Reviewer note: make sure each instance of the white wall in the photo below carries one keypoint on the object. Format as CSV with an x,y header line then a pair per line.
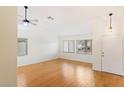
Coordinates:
x,y
122,32
41,46
8,47
101,31
42,41
98,26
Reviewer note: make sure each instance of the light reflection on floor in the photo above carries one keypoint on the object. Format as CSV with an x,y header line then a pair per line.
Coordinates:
x,y
65,73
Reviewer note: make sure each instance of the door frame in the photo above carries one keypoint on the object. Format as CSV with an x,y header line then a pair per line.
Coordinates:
x,y
122,53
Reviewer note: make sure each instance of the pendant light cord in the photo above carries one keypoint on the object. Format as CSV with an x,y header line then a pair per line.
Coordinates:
x,y
110,19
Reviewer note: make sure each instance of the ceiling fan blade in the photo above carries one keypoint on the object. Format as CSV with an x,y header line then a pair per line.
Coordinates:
x,y
35,20
25,20
32,23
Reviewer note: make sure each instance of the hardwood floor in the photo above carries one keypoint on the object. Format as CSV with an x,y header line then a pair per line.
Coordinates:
x,y
65,73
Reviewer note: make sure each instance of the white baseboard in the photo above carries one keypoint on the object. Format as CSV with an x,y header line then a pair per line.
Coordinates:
x,y
35,62
76,60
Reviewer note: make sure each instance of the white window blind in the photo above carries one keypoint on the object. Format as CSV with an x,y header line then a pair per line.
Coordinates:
x,y
69,46
65,45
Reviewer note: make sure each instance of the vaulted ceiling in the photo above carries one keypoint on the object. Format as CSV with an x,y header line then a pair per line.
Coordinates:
x,y
67,19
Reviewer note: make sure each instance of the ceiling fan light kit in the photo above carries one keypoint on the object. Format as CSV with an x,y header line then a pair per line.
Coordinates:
x,y
25,23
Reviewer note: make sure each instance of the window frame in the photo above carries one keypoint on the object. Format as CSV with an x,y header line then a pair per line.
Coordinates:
x,y
69,46
24,40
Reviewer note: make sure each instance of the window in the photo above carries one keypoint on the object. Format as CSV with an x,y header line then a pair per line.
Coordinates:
x,y
69,46
22,47
65,45
84,46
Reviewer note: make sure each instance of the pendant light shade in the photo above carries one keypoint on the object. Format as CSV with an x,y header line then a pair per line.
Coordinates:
x,y
110,27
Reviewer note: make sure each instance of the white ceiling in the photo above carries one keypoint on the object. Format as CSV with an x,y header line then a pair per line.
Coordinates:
x,y
67,19
68,12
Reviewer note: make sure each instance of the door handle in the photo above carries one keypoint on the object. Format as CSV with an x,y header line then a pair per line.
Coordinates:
x,y
102,54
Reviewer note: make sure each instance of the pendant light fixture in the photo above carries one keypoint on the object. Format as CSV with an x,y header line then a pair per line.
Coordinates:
x,y
110,27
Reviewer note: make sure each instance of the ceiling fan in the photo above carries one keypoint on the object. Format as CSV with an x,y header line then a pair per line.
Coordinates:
x,y
25,20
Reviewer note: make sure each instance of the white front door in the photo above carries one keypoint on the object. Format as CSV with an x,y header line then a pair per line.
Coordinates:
x,y
112,55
